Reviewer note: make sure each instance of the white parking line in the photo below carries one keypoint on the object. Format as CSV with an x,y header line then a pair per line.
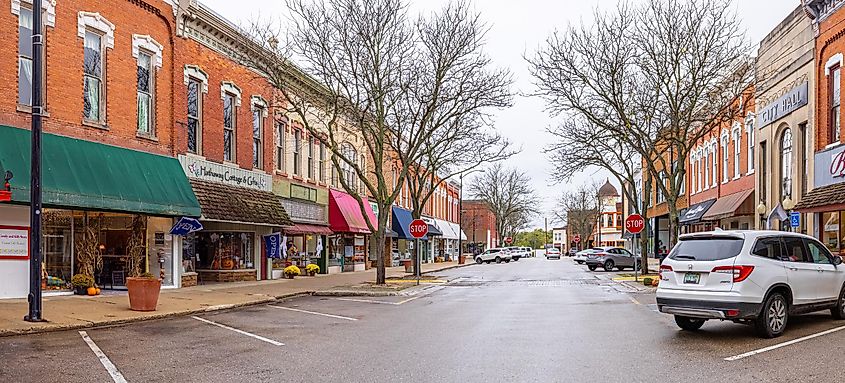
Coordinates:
x,y
366,301
314,313
779,345
242,332
104,360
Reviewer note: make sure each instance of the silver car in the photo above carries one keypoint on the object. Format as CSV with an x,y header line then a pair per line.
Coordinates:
x,y
581,256
610,257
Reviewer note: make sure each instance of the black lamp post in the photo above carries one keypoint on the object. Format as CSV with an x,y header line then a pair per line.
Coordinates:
x,y
34,297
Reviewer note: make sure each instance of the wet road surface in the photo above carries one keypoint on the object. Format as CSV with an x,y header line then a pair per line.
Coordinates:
x,y
535,320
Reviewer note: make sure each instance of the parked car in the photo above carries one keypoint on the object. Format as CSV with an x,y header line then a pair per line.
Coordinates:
x,y
754,277
498,255
518,252
552,253
572,252
529,251
610,257
581,256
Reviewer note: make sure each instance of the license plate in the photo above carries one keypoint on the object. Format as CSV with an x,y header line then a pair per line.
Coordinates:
x,y
692,278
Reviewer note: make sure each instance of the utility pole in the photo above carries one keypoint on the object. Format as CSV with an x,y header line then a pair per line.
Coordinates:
x,y
545,232
460,216
34,297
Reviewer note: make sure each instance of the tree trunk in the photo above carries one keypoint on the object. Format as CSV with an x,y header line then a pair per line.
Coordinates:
x,y
377,242
674,226
646,228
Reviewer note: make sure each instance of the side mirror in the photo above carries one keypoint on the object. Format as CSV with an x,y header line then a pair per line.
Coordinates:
x,y
837,260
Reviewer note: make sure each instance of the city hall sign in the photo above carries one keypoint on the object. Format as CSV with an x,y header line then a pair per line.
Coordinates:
x,y
201,169
786,104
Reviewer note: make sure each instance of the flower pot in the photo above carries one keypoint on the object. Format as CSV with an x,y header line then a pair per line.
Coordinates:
x,y
312,273
289,276
409,268
462,259
80,290
143,293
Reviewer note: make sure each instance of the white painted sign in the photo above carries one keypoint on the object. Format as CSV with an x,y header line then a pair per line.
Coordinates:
x,y
231,175
830,166
14,243
788,103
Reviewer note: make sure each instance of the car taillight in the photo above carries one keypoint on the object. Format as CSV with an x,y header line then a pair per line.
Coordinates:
x,y
740,273
662,269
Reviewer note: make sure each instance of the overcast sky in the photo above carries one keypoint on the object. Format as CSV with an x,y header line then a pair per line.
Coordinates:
x,y
518,27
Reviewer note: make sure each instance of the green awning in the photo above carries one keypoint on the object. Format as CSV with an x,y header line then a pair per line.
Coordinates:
x,y
93,176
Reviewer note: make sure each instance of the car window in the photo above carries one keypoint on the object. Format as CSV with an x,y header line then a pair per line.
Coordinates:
x,y
625,253
818,253
795,251
706,248
768,248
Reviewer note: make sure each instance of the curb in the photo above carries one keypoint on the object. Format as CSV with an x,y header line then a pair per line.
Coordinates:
x,y
352,293
118,322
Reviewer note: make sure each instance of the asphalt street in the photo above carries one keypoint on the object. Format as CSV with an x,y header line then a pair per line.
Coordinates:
x,y
535,320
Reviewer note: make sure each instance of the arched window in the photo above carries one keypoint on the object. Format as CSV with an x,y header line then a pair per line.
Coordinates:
x,y
786,164
347,171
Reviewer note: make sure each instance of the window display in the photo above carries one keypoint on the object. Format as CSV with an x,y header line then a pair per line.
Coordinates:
x,y
223,250
833,230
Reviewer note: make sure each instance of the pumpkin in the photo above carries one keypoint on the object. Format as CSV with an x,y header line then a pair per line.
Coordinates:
x,y
92,290
98,291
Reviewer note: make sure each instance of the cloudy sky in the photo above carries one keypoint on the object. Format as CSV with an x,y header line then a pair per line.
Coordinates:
x,y
517,28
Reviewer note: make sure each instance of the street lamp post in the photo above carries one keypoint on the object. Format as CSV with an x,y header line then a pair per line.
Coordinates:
x,y
789,204
761,211
34,297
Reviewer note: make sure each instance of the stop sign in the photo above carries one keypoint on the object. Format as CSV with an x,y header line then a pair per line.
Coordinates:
x,y
418,228
635,223
577,238
509,240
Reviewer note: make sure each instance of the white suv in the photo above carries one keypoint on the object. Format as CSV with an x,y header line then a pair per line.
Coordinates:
x,y
753,277
497,254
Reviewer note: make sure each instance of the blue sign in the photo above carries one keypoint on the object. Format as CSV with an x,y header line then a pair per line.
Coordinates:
x,y
273,245
186,226
795,219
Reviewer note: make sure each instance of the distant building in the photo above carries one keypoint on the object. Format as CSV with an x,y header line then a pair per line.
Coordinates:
x,y
609,227
479,224
559,238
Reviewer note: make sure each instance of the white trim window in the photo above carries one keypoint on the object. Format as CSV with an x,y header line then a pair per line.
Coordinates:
x,y
725,158
705,163
98,35
714,170
321,170
148,53
259,113
737,142
297,152
280,145
310,158
749,133
230,123
25,73
194,116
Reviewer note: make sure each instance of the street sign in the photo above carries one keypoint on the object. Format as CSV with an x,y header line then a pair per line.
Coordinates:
x,y
576,238
418,228
795,219
635,223
508,240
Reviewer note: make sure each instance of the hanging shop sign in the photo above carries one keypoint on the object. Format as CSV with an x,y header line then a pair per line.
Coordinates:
x,y
830,166
788,103
231,175
185,226
14,242
273,245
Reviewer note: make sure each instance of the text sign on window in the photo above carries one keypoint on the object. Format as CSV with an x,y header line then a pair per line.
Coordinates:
x,y
302,192
14,242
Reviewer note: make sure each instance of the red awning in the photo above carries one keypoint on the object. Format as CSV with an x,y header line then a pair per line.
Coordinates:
x,y
302,229
345,214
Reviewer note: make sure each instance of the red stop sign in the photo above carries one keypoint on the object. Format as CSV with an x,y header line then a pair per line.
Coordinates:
x,y
508,240
635,223
418,228
577,238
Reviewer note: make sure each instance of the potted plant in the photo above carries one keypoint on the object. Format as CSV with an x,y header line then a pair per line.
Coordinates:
x,y
312,269
81,283
291,271
144,288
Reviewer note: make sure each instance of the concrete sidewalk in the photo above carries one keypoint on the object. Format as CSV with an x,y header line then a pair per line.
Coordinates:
x,y
72,312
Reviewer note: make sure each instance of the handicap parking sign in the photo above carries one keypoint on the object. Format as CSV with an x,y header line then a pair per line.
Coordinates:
x,y
795,219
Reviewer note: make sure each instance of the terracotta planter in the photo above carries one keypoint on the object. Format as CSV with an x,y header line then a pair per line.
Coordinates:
x,y
462,259
80,290
409,268
143,293
312,273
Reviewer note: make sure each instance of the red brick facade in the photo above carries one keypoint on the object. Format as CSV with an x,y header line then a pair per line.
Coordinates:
x,y
830,47
478,220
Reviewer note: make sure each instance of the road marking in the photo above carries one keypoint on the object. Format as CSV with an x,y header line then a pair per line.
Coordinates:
x,y
636,302
104,360
366,301
314,313
784,344
242,332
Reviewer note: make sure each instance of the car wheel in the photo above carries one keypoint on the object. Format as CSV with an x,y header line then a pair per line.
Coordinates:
x,y
838,311
620,268
487,262
498,259
592,267
608,266
507,260
479,261
516,259
772,319
689,324
580,262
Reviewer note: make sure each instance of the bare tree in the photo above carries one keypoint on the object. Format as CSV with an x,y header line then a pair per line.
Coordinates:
x,y
510,197
654,77
580,210
372,75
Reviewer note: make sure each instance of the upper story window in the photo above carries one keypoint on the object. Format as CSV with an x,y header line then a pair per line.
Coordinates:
x,y
786,164
196,82
97,34
145,94
297,150
310,159
347,171
749,129
148,53
322,164
280,145
229,124
231,96
259,112
25,20
705,163
714,150
835,96
737,140
725,158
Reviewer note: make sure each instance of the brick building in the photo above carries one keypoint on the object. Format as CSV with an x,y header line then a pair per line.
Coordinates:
x,y
479,223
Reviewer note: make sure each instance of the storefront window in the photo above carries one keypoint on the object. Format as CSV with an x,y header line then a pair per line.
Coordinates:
x,y
223,250
831,228
57,248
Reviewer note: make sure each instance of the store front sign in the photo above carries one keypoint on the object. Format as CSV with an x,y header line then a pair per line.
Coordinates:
x,y
830,166
788,103
14,242
273,245
305,212
230,175
303,193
